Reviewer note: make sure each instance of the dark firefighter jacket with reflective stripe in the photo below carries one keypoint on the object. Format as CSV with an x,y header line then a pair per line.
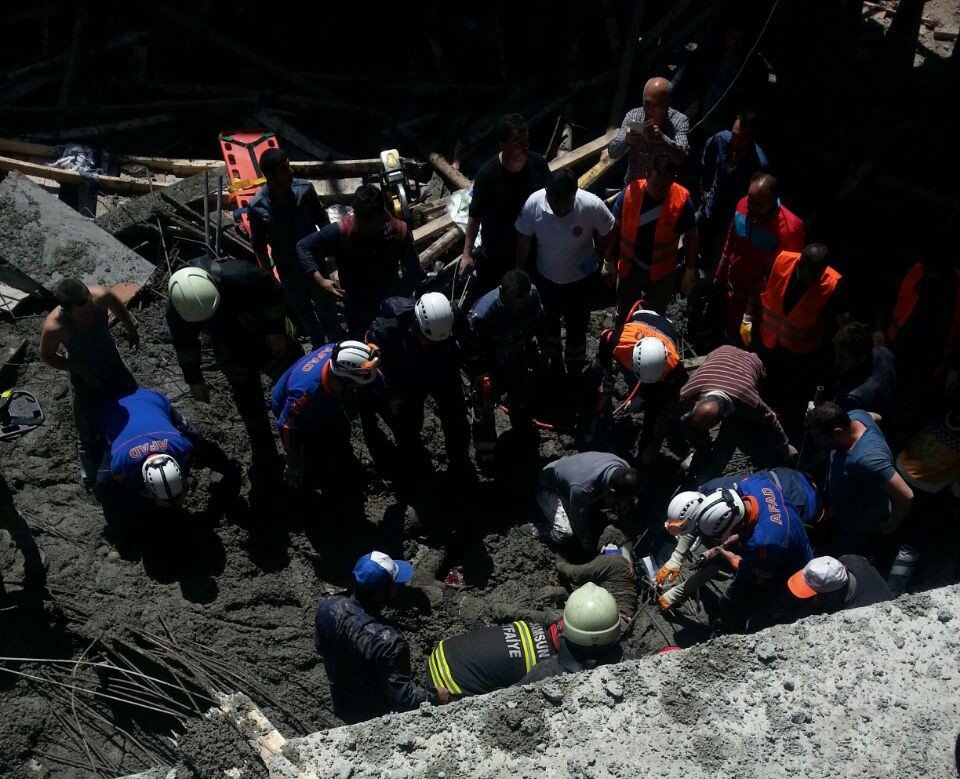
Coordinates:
x,y
490,658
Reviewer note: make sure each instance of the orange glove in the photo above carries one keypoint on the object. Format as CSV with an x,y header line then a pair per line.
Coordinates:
x,y
668,573
746,331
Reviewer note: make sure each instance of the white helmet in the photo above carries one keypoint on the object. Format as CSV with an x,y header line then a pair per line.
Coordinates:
x,y
162,477
680,510
356,361
718,514
435,316
649,359
194,294
590,617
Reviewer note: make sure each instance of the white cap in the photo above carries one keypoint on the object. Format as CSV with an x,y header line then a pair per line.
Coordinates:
x,y
820,575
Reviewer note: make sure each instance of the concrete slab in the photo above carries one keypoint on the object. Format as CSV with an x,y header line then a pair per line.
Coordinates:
x,y
48,241
873,692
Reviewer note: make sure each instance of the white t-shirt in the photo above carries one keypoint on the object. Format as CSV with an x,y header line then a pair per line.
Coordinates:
x,y
565,250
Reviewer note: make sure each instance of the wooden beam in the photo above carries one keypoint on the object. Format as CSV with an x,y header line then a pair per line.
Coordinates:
x,y
328,169
293,136
583,153
107,183
432,229
454,178
96,131
435,251
25,148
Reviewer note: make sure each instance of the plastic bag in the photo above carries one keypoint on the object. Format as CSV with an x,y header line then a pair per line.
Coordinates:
x,y
458,209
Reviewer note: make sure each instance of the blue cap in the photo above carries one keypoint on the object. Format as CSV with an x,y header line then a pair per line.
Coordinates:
x,y
377,571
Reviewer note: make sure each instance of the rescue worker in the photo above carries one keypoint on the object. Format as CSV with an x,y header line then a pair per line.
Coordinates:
x,y
826,585
923,329
308,404
503,325
420,355
725,391
644,351
652,214
284,211
866,498
760,537
151,449
761,229
569,489
367,661
241,308
374,259
97,372
591,635
801,306
500,656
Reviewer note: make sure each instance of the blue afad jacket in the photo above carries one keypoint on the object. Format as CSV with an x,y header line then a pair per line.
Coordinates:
x,y
301,399
367,662
776,545
137,426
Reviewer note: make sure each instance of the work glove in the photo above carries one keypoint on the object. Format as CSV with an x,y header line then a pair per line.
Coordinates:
x,y
669,572
746,330
664,602
293,471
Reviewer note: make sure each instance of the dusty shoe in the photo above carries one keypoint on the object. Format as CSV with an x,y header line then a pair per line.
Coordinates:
x,y
533,530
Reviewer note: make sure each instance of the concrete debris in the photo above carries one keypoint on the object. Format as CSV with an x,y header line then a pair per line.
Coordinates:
x,y
863,706
52,241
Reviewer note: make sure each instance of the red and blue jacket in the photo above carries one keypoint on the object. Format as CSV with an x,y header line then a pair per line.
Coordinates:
x,y
776,545
302,399
137,426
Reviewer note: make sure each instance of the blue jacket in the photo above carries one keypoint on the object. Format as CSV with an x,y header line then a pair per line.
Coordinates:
x,y
367,662
301,399
409,361
502,336
776,545
137,426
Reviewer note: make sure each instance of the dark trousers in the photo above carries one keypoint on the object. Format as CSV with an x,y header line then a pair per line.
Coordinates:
x,y
250,399
711,457
569,305
406,419
315,311
14,523
638,286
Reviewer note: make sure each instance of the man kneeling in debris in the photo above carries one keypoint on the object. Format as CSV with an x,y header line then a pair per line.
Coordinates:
x,y
522,652
755,526
829,584
151,449
571,487
368,661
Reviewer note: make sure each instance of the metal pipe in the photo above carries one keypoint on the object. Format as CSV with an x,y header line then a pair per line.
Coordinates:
x,y
206,211
219,210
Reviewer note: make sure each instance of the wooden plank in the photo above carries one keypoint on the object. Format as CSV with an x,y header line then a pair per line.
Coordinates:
x,y
13,146
583,153
435,251
432,229
108,183
454,178
328,169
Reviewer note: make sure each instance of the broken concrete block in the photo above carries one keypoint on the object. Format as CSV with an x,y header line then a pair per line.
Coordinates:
x,y
49,241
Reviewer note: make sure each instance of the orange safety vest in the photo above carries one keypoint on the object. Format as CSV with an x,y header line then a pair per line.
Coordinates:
x,y
906,301
630,336
663,258
800,331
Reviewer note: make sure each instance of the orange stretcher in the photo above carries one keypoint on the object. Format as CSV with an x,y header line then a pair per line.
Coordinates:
x,y
241,154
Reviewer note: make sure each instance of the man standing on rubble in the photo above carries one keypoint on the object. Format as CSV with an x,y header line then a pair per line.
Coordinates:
x,y
366,659
284,211
501,187
98,373
374,259
240,307
652,130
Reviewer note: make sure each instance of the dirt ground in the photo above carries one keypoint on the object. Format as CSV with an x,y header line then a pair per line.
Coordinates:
x,y
238,596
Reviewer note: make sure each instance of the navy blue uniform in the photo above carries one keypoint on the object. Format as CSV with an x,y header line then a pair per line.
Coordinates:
x,y
367,662
414,367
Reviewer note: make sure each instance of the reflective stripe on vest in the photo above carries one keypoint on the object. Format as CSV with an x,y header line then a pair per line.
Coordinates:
x,y
800,331
907,300
663,257
440,671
